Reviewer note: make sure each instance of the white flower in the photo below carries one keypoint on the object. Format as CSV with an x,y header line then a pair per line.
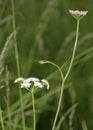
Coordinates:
x,y
25,85
38,84
29,82
18,80
78,14
45,83
32,82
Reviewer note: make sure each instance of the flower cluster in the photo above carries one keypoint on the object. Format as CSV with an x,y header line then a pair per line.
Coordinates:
x,y
78,14
32,82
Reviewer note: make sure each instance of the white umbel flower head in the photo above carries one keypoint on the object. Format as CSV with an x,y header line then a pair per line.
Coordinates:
x,y
19,80
78,14
32,82
45,83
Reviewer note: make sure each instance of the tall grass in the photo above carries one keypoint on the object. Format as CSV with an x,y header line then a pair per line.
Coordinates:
x,y
48,23
17,62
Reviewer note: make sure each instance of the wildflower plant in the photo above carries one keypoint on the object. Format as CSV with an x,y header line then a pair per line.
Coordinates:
x,y
33,83
30,84
78,15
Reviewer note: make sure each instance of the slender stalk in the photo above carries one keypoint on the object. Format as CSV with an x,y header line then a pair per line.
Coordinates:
x,y
64,79
84,125
33,103
1,118
15,39
61,93
59,105
74,51
8,98
49,62
17,62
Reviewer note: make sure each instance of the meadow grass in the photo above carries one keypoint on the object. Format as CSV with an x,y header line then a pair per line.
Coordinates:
x,y
46,31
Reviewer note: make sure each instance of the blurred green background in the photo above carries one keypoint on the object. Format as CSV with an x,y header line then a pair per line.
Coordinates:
x,y
46,30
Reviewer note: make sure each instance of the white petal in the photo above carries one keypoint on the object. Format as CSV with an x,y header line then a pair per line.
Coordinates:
x,y
46,83
31,79
20,79
38,84
25,85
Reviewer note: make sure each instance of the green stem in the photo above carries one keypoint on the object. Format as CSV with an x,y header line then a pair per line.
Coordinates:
x,y
15,39
61,93
64,79
59,105
84,125
49,62
1,118
33,103
8,98
74,51
17,62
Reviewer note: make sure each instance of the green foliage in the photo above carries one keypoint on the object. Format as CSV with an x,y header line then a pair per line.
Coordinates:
x,y
45,30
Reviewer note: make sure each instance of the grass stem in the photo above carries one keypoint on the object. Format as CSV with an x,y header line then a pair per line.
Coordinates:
x,y
17,62
1,118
